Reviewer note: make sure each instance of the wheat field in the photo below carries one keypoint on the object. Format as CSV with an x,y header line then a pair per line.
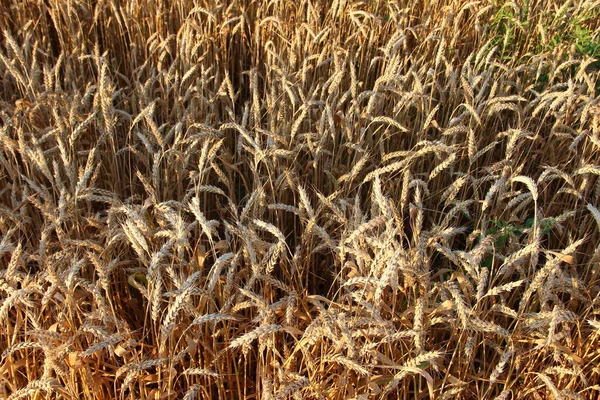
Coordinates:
x,y
299,200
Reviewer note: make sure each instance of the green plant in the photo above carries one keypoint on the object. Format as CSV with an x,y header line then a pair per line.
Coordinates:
x,y
506,25
504,231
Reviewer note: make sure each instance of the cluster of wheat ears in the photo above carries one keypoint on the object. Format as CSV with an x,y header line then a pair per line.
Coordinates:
x,y
299,200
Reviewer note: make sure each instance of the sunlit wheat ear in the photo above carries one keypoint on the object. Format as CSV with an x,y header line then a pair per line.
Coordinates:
x,y
595,213
367,226
169,321
482,283
495,188
396,166
442,166
20,346
206,225
200,371
34,388
215,271
14,262
418,325
108,342
192,392
136,368
499,368
244,341
284,207
412,367
503,288
550,385
355,170
305,202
